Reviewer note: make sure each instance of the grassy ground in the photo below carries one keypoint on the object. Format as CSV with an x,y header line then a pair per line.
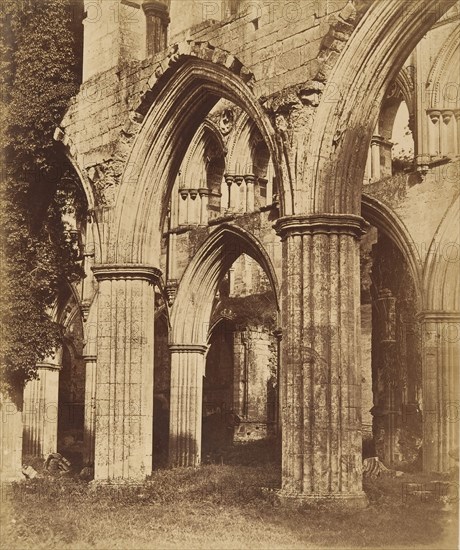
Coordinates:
x,y
219,506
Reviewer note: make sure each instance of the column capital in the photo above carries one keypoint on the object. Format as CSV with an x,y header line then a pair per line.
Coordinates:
x,y
104,272
340,224
434,115
439,315
188,348
89,358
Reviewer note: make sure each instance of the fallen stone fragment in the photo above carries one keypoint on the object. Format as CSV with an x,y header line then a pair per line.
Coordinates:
x,y
56,464
373,467
29,472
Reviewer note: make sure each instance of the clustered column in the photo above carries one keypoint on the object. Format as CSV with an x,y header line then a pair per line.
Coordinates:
x,y
187,371
193,206
40,409
124,377
241,193
441,357
321,374
443,132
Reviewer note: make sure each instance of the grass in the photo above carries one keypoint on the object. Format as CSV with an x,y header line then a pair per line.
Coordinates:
x,y
219,506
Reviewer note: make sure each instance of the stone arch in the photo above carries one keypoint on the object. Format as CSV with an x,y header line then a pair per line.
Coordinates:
x,y
239,145
183,90
204,137
190,318
441,350
343,125
441,279
76,161
444,67
191,311
394,358
180,99
384,219
394,96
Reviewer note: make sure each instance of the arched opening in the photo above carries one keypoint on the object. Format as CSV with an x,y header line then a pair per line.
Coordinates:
x,y
180,105
236,294
391,358
263,170
392,344
241,378
392,147
214,176
403,152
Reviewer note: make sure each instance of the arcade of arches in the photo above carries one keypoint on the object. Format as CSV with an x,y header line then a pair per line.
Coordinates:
x,y
271,248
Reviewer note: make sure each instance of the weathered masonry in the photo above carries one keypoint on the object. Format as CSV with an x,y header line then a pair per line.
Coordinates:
x,y
261,258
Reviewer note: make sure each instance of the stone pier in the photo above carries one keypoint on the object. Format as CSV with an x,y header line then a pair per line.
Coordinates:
x,y
10,439
187,371
124,377
320,368
440,359
40,409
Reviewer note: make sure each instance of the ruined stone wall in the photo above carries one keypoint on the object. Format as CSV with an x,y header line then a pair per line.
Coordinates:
x,y
421,203
98,127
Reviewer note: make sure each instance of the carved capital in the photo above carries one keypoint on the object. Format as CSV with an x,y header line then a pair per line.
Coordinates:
x,y
341,224
171,290
188,348
434,116
104,272
446,116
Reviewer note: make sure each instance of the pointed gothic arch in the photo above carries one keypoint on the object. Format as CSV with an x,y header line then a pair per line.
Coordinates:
x,y
175,107
343,126
191,312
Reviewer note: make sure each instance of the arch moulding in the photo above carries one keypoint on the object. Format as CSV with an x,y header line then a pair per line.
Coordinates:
x,y
182,90
336,155
191,312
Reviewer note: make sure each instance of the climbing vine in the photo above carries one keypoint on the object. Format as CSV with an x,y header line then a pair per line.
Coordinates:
x,y
40,68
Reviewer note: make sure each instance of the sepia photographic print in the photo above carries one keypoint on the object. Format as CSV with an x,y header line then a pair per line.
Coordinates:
x,y
230,274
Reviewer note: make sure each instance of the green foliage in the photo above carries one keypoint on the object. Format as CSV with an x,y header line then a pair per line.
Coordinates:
x,y
40,73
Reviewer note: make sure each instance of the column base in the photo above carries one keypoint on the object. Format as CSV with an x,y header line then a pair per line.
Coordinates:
x,y
341,501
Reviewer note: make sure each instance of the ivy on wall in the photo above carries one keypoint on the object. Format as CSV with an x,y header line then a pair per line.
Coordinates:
x,y
40,72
